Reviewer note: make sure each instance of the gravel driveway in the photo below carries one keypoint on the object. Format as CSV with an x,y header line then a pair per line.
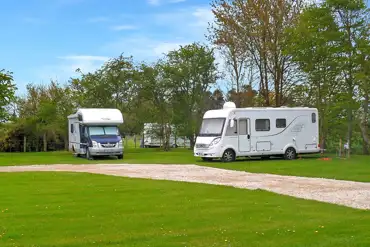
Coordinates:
x,y
347,193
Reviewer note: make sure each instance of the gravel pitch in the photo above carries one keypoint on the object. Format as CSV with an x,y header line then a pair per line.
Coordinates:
x,y
346,193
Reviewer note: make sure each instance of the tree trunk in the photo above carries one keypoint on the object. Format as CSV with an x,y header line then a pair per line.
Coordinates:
x,y
166,135
66,144
365,140
37,144
45,142
350,128
364,125
192,141
24,143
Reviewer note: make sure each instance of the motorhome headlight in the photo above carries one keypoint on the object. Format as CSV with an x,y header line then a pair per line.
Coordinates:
x,y
120,143
95,144
215,141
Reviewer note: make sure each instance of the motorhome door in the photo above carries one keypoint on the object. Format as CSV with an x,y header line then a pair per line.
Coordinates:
x,y
76,137
244,135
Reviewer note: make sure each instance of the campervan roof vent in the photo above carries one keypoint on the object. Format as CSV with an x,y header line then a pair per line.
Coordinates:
x,y
229,105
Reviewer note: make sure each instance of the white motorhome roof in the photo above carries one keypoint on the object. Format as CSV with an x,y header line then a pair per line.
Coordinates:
x,y
223,113
105,116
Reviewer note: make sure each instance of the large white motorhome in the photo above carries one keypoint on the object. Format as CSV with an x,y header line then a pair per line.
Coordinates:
x,y
94,132
151,137
233,132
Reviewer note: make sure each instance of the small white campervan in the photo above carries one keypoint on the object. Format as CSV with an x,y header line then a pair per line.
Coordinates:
x,y
94,132
233,132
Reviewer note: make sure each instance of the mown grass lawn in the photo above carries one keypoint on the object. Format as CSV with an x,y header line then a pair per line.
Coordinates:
x,y
357,168
71,209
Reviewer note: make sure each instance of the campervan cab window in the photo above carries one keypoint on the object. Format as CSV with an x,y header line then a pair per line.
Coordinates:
x,y
103,130
212,127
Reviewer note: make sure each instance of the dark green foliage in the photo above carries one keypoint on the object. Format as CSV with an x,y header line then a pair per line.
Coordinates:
x,y
7,91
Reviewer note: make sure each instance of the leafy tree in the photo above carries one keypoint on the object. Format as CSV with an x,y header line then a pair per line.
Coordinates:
x,y
363,77
350,17
257,28
190,71
326,44
111,86
314,46
7,93
156,90
43,113
216,99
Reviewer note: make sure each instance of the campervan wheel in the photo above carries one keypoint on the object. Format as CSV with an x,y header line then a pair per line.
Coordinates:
x,y
228,156
290,154
88,155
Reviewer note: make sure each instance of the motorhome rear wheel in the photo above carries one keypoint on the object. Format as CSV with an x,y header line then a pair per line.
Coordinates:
x,y
290,154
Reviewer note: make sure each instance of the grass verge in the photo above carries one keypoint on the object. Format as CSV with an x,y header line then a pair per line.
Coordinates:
x,y
357,168
67,209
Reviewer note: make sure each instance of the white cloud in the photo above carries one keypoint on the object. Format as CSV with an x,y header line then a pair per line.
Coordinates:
x,y
191,21
160,34
66,67
203,16
154,2
84,62
168,30
33,20
159,2
84,58
163,48
98,19
123,27
143,48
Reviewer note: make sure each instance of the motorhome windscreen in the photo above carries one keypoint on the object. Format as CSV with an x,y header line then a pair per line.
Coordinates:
x,y
103,130
212,127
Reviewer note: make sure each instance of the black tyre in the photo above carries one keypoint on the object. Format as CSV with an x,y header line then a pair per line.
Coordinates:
x,y
88,155
120,157
206,159
228,156
290,154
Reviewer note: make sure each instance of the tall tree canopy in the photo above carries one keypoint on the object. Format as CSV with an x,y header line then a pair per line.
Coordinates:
x,y
7,93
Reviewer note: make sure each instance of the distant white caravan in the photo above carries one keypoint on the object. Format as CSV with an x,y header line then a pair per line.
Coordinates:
x,y
233,132
151,137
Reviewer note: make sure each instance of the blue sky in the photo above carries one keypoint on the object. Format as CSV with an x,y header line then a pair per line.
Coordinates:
x,y
50,39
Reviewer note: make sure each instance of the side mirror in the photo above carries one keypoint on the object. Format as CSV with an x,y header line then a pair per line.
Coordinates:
x,y
232,121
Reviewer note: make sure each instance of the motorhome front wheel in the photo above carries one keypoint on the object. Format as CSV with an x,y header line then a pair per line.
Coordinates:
x,y
228,156
88,155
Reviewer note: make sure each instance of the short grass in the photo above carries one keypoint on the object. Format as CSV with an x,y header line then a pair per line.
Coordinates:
x,y
357,168
79,210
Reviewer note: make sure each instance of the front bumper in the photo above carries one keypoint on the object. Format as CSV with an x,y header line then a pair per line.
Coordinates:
x,y
207,153
106,151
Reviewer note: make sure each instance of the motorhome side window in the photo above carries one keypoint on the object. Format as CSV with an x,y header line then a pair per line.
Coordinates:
x,y
243,127
280,123
313,116
231,131
262,124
